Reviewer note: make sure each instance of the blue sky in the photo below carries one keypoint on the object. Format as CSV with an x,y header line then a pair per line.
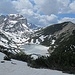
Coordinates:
x,y
66,15
41,12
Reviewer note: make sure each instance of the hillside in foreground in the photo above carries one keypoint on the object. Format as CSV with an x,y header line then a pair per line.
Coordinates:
x,y
15,67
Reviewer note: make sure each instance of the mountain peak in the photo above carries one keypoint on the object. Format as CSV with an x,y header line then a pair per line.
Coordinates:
x,y
15,15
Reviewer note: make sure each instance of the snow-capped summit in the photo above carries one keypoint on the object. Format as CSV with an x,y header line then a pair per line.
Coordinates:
x,y
16,25
13,23
33,26
18,17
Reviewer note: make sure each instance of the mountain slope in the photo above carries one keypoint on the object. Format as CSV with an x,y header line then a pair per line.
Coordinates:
x,y
7,44
48,35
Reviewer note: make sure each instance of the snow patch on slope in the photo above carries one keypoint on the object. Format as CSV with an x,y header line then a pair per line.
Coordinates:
x,y
13,21
53,41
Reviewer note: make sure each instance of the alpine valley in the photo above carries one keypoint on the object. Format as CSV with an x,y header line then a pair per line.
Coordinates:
x,y
51,47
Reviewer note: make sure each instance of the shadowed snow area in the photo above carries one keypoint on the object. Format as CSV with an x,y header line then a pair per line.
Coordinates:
x,y
15,67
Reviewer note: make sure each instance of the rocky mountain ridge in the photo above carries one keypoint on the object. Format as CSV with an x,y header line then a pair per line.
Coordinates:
x,y
16,26
53,32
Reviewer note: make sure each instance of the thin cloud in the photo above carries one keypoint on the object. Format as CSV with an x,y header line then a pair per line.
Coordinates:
x,y
67,19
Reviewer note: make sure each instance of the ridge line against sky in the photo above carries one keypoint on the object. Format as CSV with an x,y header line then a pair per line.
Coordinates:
x,y
41,12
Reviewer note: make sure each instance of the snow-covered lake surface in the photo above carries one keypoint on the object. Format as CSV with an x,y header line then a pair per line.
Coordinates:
x,y
35,49
15,67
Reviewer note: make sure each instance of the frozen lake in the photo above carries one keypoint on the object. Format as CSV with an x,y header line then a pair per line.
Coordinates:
x,y
35,49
